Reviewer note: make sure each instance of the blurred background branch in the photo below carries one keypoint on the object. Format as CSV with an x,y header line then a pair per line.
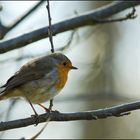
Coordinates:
x,y
5,29
28,56
70,24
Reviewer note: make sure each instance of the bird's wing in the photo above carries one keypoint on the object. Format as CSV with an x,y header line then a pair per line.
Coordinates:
x,y
27,73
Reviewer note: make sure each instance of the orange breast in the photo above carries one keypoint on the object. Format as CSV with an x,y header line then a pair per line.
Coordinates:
x,y
62,77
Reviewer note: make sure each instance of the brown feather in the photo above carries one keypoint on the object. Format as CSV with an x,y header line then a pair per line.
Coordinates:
x,y
33,70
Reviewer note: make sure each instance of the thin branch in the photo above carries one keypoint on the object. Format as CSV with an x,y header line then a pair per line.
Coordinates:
x,y
51,41
131,15
10,27
116,111
50,27
70,24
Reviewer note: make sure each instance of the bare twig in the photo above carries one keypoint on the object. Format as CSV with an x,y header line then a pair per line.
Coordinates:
x,y
51,41
50,27
70,24
131,15
116,111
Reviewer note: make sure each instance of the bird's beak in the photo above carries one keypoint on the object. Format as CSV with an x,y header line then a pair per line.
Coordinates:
x,y
74,68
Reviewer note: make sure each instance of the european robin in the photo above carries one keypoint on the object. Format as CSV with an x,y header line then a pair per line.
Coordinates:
x,y
39,80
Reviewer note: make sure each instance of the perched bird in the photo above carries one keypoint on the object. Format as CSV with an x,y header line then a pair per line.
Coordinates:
x,y
39,80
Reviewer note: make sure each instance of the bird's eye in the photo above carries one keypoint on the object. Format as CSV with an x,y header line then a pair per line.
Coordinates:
x,y
64,63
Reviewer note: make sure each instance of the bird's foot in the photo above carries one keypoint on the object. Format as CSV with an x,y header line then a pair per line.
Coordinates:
x,y
36,118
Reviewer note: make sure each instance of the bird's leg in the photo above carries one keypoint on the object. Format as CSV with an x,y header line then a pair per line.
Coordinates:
x,y
46,109
51,105
35,115
33,108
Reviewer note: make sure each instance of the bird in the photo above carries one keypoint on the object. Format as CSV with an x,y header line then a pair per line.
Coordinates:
x,y
39,80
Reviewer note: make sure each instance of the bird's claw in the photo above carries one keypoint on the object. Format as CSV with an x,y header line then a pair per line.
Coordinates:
x,y
36,118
